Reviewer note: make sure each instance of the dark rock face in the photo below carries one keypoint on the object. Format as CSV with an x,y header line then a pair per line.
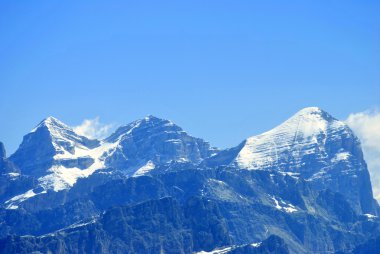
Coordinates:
x,y
11,182
370,247
36,152
82,162
272,245
2,151
207,224
337,205
6,166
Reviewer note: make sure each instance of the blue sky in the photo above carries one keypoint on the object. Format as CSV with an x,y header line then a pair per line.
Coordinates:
x,y
223,70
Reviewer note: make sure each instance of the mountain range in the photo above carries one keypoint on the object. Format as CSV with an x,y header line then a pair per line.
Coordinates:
x,y
150,187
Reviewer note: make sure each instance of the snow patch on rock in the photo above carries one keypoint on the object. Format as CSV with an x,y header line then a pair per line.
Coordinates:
x,y
283,206
13,202
144,169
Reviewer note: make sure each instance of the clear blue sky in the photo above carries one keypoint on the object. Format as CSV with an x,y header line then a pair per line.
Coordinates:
x,y
223,70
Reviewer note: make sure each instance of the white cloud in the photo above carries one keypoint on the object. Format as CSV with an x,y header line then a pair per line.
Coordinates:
x,y
366,126
93,128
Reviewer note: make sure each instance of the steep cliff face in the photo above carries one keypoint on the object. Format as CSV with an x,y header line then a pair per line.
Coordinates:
x,y
11,181
2,151
6,166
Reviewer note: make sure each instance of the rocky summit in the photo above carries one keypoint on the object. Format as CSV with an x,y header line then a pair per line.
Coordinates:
x,y
150,187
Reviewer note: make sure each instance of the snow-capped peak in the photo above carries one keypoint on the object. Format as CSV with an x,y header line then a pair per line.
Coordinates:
x,y
153,118
156,120
303,133
319,148
53,149
312,114
51,123
310,110
149,125
58,156
63,138
157,140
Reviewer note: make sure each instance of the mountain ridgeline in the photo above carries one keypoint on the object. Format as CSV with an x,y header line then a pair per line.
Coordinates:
x,y
150,187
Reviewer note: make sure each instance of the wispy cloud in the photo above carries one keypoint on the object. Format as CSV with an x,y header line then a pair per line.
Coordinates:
x,y
93,128
366,126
